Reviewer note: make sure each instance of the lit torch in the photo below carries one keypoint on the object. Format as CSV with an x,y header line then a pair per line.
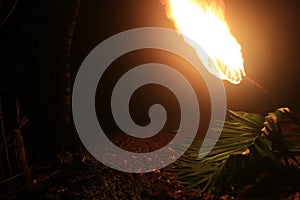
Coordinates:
x,y
204,22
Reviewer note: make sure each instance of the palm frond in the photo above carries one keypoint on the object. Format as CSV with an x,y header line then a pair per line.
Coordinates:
x,y
245,140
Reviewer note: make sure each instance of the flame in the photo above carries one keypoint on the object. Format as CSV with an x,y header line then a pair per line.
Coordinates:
x,y
204,22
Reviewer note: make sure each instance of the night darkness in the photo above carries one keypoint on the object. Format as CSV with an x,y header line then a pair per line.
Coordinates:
x,y
267,31
42,45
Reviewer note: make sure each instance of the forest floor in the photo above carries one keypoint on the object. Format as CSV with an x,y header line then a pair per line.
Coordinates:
x,y
92,180
83,177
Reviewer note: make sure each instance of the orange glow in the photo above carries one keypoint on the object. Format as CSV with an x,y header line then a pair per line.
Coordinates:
x,y
203,21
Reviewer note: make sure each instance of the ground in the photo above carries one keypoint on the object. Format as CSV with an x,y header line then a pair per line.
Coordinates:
x,y
80,176
87,178
92,180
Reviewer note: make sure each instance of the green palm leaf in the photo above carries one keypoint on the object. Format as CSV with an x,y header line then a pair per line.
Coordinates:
x,y
240,145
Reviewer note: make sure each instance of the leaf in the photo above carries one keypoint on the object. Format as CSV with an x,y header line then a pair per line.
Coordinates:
x,y
278,114
264,146
220,168
251,120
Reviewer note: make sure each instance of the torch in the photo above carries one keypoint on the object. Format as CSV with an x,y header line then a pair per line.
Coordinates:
x,y
204,22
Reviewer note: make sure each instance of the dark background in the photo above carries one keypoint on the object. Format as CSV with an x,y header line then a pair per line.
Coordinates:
x,y
268,32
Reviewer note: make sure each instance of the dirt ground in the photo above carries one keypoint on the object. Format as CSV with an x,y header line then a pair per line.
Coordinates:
x,y
83,177
92,180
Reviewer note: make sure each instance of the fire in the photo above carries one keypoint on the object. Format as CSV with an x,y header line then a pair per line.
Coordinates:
x,y
204,22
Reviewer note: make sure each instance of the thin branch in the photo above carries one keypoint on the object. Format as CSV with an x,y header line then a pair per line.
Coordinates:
x,y
10,77
4,140
69,40
22,156
8,137
18,112
2,167
10,13
14,78
50,175
67,65
20,145
11,178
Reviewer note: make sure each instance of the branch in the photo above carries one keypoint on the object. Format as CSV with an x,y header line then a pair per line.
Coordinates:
x,y
5,140
67,64
9,13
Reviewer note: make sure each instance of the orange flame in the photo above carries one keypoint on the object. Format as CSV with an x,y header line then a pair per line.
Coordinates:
x,y
204,22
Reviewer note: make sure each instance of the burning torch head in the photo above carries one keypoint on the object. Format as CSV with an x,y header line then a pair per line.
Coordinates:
x,y
204,22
